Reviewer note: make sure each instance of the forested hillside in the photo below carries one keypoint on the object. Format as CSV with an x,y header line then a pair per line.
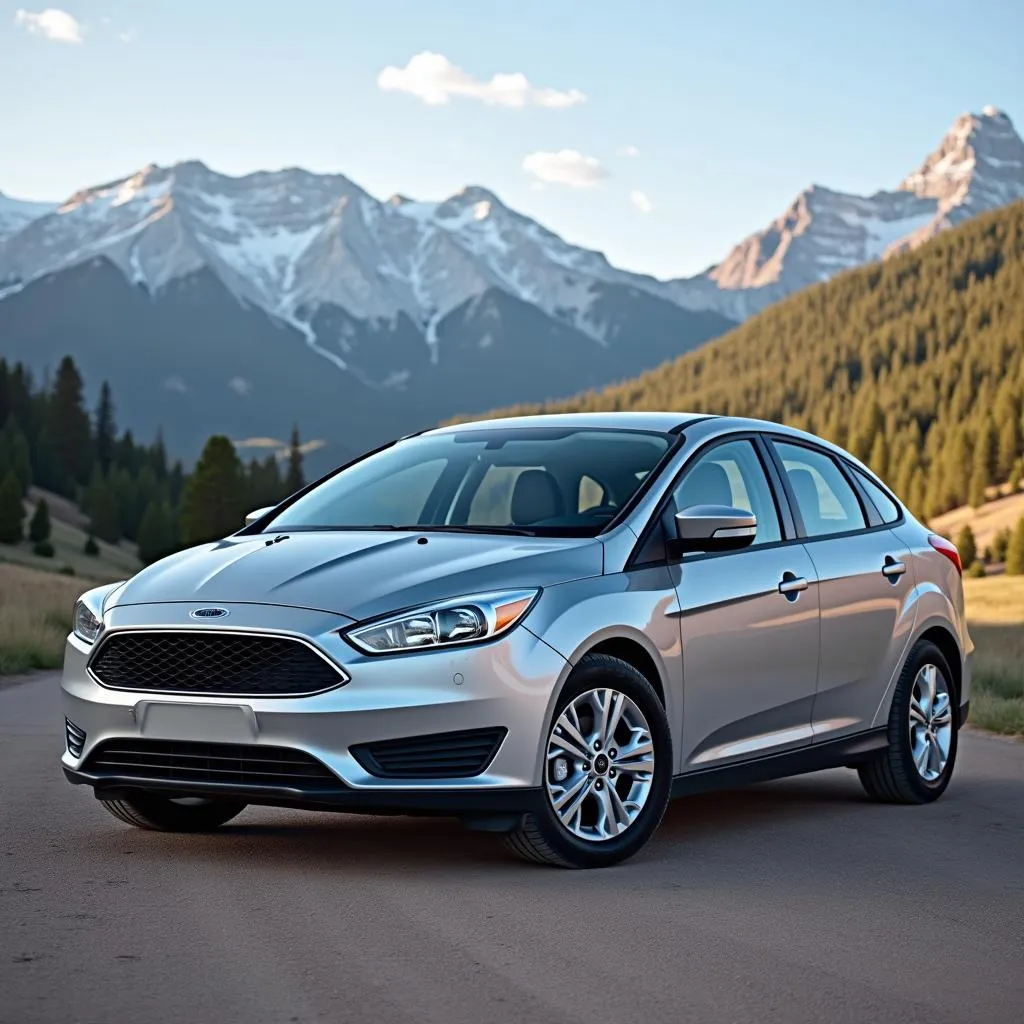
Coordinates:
x,y
916,365
127,490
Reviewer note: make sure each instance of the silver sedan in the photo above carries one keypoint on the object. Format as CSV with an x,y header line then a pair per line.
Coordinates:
x,y
544,626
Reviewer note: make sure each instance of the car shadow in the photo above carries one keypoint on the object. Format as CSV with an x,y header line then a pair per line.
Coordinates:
x,y
285,839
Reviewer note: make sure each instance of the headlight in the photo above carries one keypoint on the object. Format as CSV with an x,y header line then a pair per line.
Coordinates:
x,y
88,617
461,621
87,625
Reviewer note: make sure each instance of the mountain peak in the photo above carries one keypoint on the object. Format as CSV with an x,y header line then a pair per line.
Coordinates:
x,y
979,151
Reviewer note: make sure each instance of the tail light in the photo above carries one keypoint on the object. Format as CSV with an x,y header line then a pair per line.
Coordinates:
x,y
947,548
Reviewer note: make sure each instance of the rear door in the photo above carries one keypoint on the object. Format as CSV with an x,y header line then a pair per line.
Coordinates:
x,y
863,586
748,620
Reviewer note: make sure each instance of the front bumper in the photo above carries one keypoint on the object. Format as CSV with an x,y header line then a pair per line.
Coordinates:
x,y
509,683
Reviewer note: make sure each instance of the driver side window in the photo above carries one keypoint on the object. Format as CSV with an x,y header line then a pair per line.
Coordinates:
x,y
732,474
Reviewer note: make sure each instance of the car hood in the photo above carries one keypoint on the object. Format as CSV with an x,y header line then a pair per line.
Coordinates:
x,y
359,574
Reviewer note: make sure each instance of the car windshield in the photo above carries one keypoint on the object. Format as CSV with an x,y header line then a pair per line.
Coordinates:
x,y
537,481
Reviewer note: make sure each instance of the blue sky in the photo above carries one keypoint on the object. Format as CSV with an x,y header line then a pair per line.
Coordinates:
x,y
732,108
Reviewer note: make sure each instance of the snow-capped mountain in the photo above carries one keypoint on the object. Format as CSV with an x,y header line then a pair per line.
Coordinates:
x,y
978,166
192,290
17,213
291,242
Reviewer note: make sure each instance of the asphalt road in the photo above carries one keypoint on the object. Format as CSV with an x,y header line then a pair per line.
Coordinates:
x,y
792,901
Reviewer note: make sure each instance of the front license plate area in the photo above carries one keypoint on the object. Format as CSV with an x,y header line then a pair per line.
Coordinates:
x,y
211,723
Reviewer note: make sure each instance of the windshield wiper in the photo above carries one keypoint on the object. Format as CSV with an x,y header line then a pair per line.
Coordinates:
x,y
449,528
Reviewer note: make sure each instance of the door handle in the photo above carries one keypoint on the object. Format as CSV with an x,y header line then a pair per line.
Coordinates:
x,y
792,584
892,568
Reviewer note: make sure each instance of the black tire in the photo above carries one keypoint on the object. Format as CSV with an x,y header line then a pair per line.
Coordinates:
x,y
161,814
891,776
540,837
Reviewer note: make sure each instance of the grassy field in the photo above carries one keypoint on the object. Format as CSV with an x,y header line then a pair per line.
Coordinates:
x,y
995,612
35,615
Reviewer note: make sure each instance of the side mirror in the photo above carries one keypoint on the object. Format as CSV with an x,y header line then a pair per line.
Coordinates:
x,y
257,514
714,528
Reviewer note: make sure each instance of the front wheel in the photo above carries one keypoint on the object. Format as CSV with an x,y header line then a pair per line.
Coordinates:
x,y
918,763
607,770
173,814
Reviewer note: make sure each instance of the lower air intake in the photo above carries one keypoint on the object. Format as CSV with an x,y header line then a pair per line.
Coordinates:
x,y
140,761
75,738
443,755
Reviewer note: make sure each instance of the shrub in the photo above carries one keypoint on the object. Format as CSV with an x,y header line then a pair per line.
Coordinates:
x,y
43,548
976,569
92,549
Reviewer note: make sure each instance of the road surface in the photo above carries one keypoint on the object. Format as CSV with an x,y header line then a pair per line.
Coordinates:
x,y
793,901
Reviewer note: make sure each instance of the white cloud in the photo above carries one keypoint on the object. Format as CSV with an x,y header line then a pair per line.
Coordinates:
x,y
240,385
434,79
52,23
630,151
566,167
127,37
641,201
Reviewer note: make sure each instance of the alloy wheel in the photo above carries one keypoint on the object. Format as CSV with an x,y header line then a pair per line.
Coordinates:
x,y
599,768
931,723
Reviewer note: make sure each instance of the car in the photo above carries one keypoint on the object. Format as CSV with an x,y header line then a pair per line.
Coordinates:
x,y
545,626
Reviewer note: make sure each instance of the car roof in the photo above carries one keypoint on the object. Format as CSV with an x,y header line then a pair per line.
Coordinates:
x,y
663,422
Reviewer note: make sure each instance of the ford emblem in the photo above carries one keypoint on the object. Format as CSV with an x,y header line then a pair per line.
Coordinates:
x,y
208,613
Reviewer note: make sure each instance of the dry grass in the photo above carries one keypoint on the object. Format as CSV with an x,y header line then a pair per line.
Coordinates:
x,y
985,522
995,613
35,617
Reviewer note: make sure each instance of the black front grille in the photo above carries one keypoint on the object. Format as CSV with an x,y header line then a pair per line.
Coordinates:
x,y
75,738
232,664
443,755
186,763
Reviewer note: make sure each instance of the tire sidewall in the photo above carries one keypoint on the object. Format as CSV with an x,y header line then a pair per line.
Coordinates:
x,y
595,673
924,653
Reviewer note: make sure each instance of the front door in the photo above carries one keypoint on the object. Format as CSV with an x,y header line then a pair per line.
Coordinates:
x,y
748,622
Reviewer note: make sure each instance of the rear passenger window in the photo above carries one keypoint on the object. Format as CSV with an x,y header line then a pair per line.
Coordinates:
x,y
826,501
887,508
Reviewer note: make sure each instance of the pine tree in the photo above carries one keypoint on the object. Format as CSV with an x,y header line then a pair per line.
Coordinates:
x,y
213,504
879,458
1009,445
67,430
976,496
1000,542
106,432
1015,550
158,535
101,505
967,546
294,479
39,524
12,511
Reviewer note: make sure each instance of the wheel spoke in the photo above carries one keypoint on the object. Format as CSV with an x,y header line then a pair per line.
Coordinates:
x,y
578,750
941,710
580,792
917,715
611,725
921,757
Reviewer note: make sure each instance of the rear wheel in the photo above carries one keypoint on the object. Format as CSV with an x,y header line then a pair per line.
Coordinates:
x,y
918,763
607,770
173,814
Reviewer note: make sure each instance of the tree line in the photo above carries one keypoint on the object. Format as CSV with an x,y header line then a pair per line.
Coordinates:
x,y
129,490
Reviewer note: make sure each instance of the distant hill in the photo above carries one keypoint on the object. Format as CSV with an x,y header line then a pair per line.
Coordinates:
x,y
916,364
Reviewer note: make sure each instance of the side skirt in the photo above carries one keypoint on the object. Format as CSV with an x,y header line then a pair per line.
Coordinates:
x,y
846,751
